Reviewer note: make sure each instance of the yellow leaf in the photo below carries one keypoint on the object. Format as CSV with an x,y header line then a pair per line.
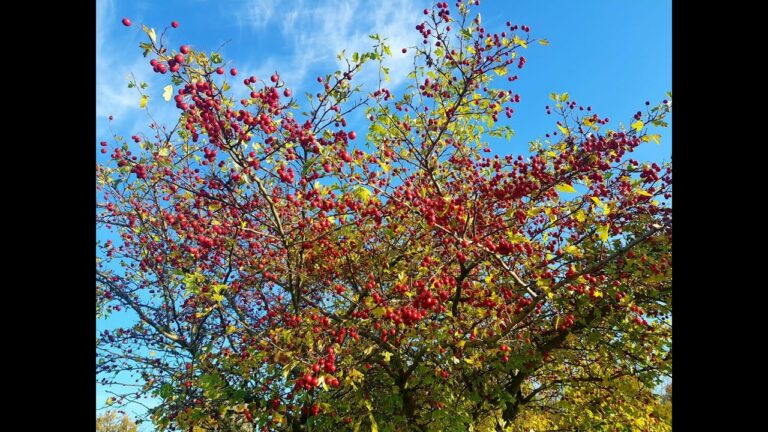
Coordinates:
x,y
387,355
363,193
597,201
515,238
374,426
543,42
277,417
517,41
167,90
638,125
654,137
144,100
598,293
470,50
565,188
500,71
287,369
571,249
580,216
643,192
565,131
603,232
606,209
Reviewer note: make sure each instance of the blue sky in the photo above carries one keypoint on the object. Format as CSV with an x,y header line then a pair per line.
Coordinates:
x,y
612,55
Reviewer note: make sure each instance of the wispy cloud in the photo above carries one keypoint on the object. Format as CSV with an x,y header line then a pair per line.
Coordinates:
x,y
318,31
257,14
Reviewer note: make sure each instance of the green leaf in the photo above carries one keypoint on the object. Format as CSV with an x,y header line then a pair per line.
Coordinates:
x,y
386,49
167,91
165,391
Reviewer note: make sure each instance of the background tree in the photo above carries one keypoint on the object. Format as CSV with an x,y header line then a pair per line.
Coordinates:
x,y
287,275
110,421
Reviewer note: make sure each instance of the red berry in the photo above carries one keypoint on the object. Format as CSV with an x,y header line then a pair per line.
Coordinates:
x,y
184,49
405,50
352,135
126,22
220,70
179,58
175,24
287,92
233,71
274,78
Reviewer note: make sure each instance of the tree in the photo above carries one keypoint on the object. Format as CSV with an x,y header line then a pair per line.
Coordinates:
x,y
290,273
110,422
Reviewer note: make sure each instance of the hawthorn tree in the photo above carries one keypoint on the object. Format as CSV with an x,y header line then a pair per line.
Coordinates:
x,y
287,272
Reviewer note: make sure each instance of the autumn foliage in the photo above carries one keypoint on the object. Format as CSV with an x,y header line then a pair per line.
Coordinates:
x,y
288,272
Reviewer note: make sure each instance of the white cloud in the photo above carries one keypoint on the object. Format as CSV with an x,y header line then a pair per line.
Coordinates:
x,y
318,31
258,13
